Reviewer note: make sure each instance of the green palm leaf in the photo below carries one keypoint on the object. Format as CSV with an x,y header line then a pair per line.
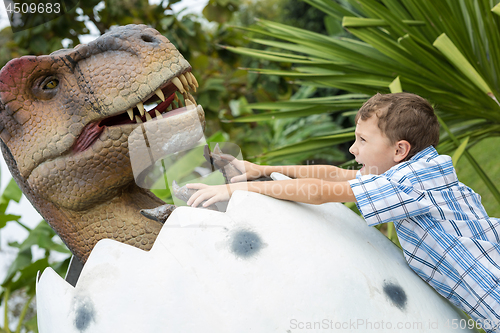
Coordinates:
x,y
309,145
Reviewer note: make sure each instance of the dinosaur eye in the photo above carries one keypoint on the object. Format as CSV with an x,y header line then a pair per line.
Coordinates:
x,y
51,84
46,87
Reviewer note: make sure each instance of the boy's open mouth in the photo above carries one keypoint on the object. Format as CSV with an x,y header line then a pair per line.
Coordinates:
x,y
362,167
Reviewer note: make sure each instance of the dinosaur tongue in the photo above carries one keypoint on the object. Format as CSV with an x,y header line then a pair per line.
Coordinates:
x,y
164,105
89,134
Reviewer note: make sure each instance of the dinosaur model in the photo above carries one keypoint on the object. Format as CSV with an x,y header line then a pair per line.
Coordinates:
x,y
65,123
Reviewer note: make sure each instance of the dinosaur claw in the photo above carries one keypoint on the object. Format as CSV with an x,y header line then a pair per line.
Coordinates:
x,y
182,193
218,163
160,213
217,149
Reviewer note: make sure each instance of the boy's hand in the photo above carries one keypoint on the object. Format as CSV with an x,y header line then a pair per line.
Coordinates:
x,y
211,194
249,171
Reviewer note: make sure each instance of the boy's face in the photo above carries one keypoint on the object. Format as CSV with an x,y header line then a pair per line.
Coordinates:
x,y
372,148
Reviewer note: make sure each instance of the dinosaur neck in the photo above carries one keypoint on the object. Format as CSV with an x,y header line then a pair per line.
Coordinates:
x,y
118,218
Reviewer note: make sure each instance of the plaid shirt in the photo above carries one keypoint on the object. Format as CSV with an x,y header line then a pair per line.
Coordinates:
x,y
446,235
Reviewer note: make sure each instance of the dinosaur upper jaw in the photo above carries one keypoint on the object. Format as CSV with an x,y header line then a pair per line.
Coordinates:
x,y
166,101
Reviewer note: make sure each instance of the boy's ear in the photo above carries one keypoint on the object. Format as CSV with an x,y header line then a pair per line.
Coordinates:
x,y
402,150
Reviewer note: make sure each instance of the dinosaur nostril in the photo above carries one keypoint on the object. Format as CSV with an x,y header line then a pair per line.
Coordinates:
x,y
147,38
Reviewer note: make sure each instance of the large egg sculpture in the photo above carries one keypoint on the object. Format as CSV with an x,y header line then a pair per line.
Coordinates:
x,y
265,265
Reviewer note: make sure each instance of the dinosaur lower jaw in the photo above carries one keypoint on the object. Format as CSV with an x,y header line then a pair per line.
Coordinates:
x,y
137,114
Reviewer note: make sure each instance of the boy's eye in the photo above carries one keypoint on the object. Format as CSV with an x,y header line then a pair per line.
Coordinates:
x,y
361,139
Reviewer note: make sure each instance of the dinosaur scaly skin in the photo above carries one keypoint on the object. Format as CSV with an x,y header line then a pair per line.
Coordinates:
x,y
64,128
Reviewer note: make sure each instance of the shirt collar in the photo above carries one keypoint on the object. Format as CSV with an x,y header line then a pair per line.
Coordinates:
x,y
427,152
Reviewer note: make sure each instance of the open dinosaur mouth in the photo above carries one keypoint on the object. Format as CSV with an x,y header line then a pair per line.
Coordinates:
x,y
170,106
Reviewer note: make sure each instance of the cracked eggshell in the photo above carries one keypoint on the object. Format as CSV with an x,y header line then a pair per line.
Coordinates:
x,y
265,265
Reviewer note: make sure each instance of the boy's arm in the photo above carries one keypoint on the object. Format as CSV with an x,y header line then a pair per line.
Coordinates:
x,y
324,172
312,191
253,171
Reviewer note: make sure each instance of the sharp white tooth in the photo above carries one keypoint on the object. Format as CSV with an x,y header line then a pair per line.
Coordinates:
x,y
185,98
184,81
148,117
177,102
178,84
188,78
159,93
191,98
131,113
138,120
158,114
189,103
194,80
140,106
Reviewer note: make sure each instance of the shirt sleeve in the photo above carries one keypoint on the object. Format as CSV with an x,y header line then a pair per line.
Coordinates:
x,y
380,199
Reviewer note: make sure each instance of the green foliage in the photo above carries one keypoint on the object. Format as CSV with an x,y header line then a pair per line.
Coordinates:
x,y
257,138
493,189
20,279
468,176
220,11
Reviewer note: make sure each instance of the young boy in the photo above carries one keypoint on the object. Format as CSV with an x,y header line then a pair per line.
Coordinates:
x,y
446,235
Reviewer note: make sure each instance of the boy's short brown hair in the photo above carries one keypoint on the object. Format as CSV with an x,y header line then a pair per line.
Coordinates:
x,y
403,116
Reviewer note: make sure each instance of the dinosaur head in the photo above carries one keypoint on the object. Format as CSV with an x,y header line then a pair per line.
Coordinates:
x,y
65,118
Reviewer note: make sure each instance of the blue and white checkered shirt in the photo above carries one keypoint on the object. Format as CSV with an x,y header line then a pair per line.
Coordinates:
x,y
447,237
